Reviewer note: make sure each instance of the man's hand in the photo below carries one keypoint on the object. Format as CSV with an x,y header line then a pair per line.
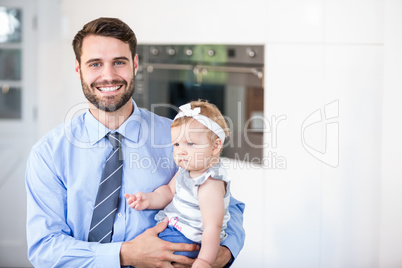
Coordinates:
x,y
148,250
200,263
223,257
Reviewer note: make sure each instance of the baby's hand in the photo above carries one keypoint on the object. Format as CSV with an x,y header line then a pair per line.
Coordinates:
x,y
200,263
138,201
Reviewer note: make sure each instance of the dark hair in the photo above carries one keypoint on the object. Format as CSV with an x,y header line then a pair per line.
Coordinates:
x,y
109,27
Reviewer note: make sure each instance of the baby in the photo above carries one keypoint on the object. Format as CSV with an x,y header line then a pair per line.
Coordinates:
x,y
196,200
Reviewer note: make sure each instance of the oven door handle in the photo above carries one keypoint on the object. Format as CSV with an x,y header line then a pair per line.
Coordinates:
x,y
259,72
166,66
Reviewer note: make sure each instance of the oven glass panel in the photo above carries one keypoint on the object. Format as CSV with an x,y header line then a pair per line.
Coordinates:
x,y
235,87
181,93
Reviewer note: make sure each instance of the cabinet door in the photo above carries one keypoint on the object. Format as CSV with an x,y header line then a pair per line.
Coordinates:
x,y
17,123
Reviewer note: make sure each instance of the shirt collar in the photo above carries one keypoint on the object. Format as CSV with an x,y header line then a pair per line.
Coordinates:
x,y
130,129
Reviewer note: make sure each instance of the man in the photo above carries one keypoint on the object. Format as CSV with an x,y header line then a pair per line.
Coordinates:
x,y
64,170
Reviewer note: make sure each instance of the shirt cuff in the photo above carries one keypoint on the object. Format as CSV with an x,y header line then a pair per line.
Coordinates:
x,y
232,244
230,262
108,255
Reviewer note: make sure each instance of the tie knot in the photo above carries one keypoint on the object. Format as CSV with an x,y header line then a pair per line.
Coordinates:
x,y
115,139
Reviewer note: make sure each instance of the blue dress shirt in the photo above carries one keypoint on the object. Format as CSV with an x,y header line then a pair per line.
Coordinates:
x,y
62,179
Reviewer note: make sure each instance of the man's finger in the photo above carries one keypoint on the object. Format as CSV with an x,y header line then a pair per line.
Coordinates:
x,y
181,261
179,265
183,247
160,226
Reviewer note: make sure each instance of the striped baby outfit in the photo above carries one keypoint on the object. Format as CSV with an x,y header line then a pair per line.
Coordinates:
x,y
184,212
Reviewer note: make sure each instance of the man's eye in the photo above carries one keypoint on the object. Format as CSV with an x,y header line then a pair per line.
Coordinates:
x,y
95,64
119,62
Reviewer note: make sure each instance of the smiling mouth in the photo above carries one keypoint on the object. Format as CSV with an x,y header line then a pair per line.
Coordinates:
x,y
109,89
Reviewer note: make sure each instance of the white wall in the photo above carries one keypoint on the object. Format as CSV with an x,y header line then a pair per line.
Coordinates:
x,y
391,187
317,51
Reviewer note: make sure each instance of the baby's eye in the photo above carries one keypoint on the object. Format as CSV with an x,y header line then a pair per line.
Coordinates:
x,y
176,144
190,143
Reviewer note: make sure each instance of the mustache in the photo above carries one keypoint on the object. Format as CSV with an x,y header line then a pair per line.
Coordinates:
x,y
108,83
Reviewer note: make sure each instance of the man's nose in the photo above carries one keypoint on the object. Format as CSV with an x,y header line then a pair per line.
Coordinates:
x,y
108,73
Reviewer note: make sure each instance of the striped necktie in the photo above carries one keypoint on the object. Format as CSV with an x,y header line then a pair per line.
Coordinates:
x,y
101,229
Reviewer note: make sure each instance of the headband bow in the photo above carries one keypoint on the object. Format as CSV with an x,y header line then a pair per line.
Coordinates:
x,y
187,111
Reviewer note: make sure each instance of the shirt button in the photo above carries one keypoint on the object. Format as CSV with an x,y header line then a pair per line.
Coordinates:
x,y
119,215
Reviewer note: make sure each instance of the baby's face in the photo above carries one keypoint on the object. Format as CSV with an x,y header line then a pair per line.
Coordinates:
x,y
192,149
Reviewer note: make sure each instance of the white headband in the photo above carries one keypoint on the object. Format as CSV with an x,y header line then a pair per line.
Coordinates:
x,y
185,110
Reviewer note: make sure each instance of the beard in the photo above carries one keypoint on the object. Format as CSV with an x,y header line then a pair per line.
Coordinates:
x,y
112,103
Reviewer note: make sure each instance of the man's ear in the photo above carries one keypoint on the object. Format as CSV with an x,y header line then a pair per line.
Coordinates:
x,y
135,64
77,69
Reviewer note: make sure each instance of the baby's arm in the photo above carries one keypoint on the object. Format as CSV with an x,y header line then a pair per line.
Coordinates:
x,y
210,198
158,199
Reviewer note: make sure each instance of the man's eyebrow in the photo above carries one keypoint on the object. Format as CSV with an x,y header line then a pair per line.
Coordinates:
x,y
121,58
98,59
92,60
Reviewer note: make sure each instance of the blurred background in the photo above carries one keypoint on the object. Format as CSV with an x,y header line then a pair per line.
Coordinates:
x,y
327,193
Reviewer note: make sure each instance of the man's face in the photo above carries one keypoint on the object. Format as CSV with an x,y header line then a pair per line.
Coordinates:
x,y
107,72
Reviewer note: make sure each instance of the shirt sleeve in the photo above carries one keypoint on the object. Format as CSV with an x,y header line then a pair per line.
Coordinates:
x,y
51,242
236,234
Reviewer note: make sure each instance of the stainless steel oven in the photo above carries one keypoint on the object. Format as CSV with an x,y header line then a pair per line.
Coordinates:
x,y
230,76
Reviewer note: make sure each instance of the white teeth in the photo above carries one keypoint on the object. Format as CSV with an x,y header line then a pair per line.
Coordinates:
x,y
108,89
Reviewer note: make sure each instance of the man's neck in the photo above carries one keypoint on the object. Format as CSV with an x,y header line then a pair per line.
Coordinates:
x,y
112,120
